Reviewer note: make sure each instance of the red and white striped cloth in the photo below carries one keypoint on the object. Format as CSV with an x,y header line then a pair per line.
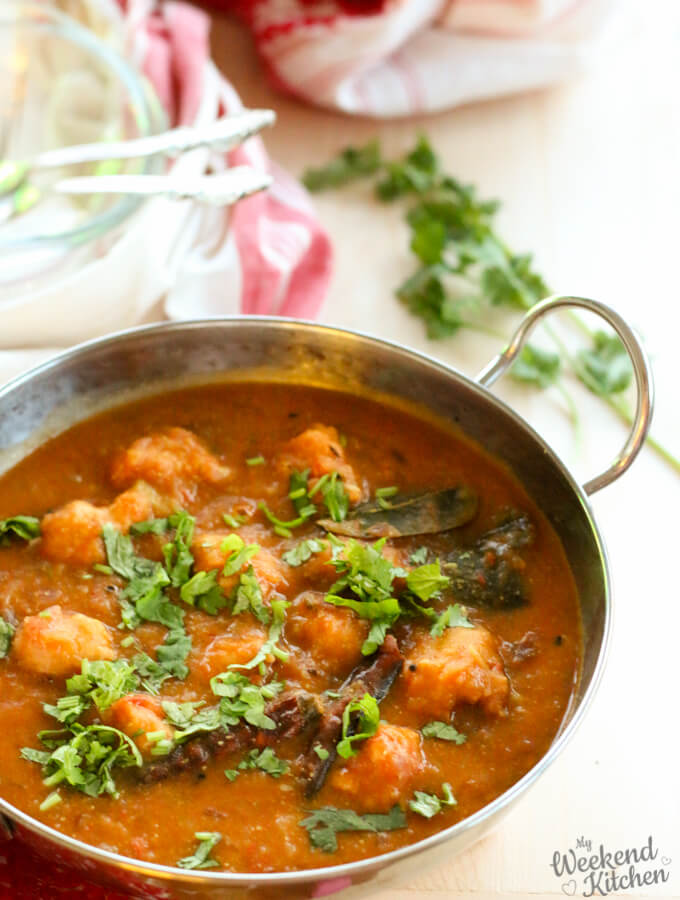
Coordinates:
x,y
269,254
401,57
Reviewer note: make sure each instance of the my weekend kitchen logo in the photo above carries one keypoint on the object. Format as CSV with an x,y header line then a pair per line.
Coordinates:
x,y
597,872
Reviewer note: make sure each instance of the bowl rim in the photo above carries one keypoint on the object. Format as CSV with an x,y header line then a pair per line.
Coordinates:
x,y
149,116
373,863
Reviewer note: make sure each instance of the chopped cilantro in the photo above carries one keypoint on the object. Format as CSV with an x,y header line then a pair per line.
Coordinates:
x,y
150,526
256,461
241,699
367,574
303,551
427,581
323,825
320,751
152,674
281,527
177,553
335,497
200,858
248,597
270,646
144,597
172,653
84,756
360,720
452,617
444,731
428,805
238,553
298,491
101,682
50,800
234,521
266,761
6,635
231,774
418,557
202,590
24,527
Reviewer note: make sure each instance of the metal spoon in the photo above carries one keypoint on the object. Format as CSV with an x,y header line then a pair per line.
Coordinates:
x,y
223,135
222,189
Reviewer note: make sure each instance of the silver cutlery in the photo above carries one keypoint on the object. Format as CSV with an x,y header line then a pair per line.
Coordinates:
x,y
223,134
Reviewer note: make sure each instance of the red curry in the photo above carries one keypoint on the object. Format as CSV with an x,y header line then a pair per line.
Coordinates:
x,y
196,670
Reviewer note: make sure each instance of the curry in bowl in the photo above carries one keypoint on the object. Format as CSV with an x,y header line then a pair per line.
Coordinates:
x,y
266,627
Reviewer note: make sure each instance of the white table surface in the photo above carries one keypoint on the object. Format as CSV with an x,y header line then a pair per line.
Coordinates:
x,y
588,175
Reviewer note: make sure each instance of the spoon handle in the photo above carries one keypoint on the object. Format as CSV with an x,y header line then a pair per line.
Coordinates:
x,y
223,134
222,189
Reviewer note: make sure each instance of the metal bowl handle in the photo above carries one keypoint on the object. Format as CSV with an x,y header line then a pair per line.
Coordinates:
x,y
638,357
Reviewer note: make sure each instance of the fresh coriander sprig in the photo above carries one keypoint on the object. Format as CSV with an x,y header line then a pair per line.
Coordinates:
x,y
465,270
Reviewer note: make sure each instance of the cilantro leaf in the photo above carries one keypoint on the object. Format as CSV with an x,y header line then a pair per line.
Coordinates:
x,y
425,296
303,551
152,674
6,635
335,497
418,557
84,756
241,699
172,653
443,731
360,720
428,805
200,858
452,617
248,597
266,761
151,526
427,581
537,366
606,368
203,590
177,553
101,682
24,527
270,646
239,553
324,824
351,164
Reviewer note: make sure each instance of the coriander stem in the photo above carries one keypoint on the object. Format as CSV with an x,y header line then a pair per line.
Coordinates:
x,y
617,404
574,416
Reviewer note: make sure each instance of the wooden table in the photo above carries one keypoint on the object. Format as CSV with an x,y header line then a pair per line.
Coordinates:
x,y
588,175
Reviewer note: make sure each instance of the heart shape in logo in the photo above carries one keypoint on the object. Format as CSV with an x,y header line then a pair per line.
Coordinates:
x,y
666,860
569,888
